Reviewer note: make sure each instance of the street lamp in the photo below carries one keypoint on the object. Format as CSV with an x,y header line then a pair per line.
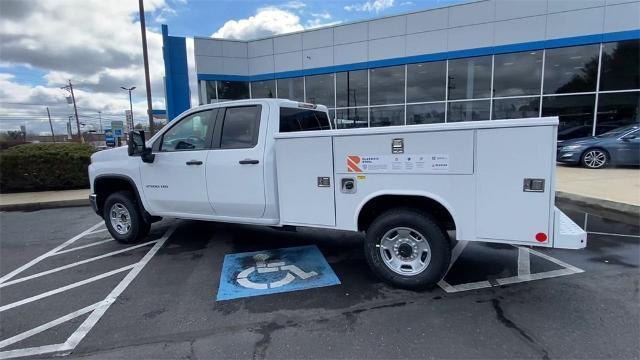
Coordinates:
x,y
130,103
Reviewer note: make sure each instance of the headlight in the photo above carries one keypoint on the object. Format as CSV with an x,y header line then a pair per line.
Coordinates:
x,y
570,147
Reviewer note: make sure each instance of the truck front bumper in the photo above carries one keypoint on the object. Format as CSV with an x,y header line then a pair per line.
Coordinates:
x,y
93,199
566,233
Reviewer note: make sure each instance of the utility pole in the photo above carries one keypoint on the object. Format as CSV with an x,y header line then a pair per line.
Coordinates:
x,y
75,109
145,58
53,136
100,119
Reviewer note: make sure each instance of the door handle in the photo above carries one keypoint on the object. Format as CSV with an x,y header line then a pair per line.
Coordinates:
x,y
194,162
248,161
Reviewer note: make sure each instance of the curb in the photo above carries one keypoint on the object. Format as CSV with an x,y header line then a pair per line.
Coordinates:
x,y
45,205
600,204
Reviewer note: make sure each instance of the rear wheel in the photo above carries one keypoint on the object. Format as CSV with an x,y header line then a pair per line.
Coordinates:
x,y
595,158
407,249
124,219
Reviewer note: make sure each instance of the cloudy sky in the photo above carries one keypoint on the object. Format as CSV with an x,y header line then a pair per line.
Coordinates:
x,y
96,44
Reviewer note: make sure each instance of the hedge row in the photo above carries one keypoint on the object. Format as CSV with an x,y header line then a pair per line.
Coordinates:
x,y
38,167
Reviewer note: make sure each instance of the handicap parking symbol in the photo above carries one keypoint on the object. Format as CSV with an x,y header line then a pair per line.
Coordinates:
x,y
274,271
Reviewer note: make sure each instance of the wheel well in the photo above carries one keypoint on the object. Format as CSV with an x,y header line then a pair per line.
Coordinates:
x,y
378,205
105,186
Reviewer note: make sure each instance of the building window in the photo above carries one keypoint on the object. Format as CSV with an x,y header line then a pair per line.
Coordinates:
x,y
571,69
620,65
292,89
616,110
575,113
517,74
352,118
468,110
263,89
352,89
425,113
386,116
516,108
232,90
426,81
470,78
210,90
320,90
387,85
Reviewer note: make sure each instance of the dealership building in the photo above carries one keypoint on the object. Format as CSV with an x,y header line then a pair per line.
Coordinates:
x,y
478,60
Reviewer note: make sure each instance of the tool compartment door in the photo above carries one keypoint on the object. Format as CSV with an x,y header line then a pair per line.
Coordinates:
x,y
505,157
305,181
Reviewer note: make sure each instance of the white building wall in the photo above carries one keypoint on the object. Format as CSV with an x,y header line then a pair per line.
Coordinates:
x,y
476,24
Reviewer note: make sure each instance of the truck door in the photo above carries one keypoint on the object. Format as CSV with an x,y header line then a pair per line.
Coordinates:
x,y
175,181
235,167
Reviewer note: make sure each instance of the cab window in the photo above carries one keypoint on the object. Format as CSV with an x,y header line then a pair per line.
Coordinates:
x,y
240,127
191,133
294,119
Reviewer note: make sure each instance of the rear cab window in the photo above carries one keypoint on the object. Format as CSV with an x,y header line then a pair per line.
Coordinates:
x,y
302,119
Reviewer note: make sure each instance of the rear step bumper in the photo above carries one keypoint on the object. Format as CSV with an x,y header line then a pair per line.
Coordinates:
x,y
566,233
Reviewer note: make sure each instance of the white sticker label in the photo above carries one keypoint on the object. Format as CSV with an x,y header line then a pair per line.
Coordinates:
x,y
425,163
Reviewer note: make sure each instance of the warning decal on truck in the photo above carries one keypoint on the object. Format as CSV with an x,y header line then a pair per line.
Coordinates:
x,y
398,163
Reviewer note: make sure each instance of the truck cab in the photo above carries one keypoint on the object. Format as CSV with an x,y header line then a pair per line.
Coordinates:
x,y
214,162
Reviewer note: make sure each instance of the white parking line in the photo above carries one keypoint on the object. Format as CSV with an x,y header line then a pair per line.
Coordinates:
x,y
524,272
524,262
65,288
95,316
48,253
96,311
49,325
84,246
64,267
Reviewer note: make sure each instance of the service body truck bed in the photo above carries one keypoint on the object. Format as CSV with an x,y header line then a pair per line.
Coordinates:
x,y
405,187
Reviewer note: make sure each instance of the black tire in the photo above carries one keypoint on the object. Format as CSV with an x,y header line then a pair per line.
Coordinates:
x,y
138,228
595,158
430,231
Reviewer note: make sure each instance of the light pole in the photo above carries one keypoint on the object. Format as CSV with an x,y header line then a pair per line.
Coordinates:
x,y
130,103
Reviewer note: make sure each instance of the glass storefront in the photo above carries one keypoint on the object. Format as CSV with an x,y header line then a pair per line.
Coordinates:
x,y
563,82
263,89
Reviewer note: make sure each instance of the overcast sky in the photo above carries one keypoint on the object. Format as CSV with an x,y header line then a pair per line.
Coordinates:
x,y
96,44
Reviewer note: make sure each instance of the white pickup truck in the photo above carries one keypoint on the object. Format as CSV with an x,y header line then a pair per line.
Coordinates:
x,y
276,162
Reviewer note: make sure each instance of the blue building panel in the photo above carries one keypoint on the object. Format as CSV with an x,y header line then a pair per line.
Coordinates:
x,y
177,94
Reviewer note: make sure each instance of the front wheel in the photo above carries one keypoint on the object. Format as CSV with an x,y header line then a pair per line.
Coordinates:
x,y
407,249
595,158
124,219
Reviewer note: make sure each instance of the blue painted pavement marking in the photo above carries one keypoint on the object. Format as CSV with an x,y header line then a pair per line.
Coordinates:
x,y
274,271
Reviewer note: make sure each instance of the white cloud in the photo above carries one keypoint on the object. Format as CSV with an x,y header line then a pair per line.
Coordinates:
x,y
295,4
94,43
371,6
267,21
319,20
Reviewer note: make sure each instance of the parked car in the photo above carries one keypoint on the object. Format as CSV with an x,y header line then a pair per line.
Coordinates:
x,y
620,146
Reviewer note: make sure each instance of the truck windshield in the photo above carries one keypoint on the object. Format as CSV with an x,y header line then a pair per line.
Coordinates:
x,y
294,119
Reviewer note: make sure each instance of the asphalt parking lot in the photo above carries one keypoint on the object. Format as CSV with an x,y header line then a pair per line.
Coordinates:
x,y
67,289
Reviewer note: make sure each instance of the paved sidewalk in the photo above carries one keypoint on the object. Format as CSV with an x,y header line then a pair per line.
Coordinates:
x,y
43,199
613,188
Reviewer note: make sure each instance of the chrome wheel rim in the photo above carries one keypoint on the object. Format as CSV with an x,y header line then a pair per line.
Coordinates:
x,y
595,159
405,251
120,218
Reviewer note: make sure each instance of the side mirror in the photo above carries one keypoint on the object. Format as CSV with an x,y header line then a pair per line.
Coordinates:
x,y
137,147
